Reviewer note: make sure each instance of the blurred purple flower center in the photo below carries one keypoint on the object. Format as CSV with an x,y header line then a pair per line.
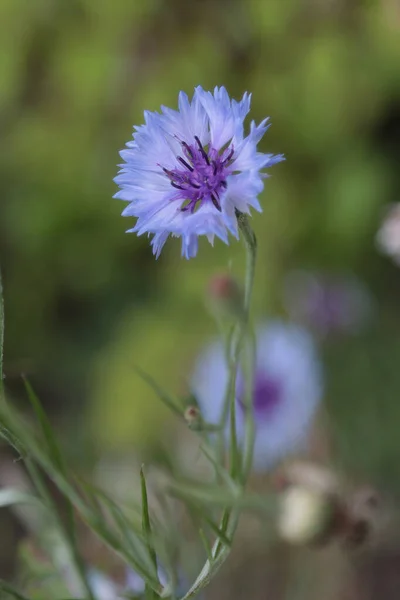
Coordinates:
x,y
267,394
203,175
328,306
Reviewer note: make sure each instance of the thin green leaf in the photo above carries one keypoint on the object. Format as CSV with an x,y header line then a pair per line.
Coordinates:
x,y
11,496
218,531
199,514
93,519
65,535
146,528
213,496
206,544
56,456
130,535
219,469
170,402
46,428
1,337
208,495
10,438
11,591
101,501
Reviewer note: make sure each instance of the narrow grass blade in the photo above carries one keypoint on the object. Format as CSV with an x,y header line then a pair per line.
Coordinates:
x,y
10,438
206,544
11,496
208,495
220,471
217,531
199,514
146,528
54,451
1,337
46,428
170,402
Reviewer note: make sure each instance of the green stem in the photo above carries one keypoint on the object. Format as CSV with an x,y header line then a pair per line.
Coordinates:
x,y
230,517
251,256
250,241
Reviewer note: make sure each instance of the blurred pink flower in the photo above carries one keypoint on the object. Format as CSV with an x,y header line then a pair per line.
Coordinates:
x,y
327,303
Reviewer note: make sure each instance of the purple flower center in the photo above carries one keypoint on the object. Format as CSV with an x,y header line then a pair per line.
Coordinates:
x,y
328,307
267,394
203,174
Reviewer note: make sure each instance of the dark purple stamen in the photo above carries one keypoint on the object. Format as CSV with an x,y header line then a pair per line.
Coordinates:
x,y
185,164
188,150
203,152
228,158
215,202
202,176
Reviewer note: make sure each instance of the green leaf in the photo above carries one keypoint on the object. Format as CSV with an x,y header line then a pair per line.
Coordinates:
x,y
221,472
170,402
53,450
217,531
11,591
146,528
209,495
46,428
11,496
10,438
1,336
201,515
214,496
206,544
128,530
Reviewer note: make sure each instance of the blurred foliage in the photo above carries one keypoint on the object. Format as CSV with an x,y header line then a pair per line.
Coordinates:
x,y
85,301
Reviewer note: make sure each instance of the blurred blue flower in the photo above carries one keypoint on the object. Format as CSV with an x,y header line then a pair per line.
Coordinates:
x,y
187,171
287,390
327,303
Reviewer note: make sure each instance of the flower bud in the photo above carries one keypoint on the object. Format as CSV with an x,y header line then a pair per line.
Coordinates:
x,y
225,296
192,416
306,515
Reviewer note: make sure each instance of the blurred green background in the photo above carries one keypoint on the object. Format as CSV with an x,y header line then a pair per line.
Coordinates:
x,y
85,301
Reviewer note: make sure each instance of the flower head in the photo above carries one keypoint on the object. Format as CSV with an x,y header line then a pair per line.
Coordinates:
x,y
327,303
286,393
186,172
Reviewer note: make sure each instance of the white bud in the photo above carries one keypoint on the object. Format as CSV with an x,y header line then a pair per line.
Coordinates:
x,y
306,515
388,236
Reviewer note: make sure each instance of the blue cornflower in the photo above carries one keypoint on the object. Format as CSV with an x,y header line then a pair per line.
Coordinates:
x,y
186,172
288,387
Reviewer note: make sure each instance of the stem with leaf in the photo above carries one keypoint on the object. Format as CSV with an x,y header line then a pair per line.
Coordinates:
x,y
239,473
